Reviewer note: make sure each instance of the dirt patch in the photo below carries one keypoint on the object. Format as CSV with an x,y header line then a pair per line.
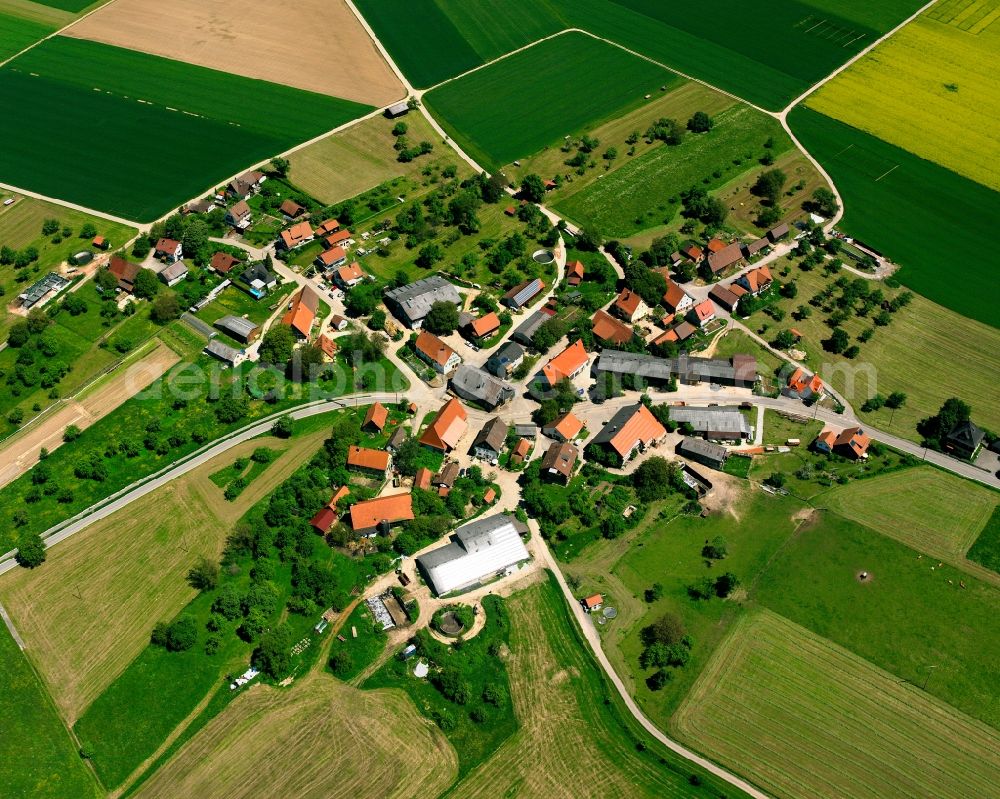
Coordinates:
x,y
726,494
21,453
317,45
806,517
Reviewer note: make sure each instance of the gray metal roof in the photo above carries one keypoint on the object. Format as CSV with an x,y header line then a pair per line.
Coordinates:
x,y
700,447
527,328
526,430
467,539
510,352
414,300
222,351
237,325
723,419
474,383
685,366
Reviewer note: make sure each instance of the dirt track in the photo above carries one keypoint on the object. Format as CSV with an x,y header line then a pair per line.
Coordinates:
x,y
21,453
312,44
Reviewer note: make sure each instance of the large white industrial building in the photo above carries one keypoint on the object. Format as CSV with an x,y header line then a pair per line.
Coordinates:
x,y
477,551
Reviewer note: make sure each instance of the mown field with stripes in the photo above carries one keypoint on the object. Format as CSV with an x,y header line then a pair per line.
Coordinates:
x,y
802,717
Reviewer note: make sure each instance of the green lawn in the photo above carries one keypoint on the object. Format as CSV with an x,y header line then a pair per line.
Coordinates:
x,y
139,163
361,651
559,87
37,755
234,301
779,428
912,213
645,191
910,615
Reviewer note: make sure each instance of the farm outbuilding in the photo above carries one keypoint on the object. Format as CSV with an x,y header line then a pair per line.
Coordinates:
x,y
478,550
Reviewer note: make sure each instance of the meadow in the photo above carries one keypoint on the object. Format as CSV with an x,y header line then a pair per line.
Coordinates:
x,y
87,617
813,719
367,151
321,738
137,130
911,617
913,211
562,86
923,352
930,89
928,509
638,195
16,33
37,755
575,737
986,549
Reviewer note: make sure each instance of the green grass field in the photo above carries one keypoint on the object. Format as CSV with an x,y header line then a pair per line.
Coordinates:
x,y
930,90
17,33
37,755
928,509
910,615
639,194
913,211
562,86
986,549
800,716
137,129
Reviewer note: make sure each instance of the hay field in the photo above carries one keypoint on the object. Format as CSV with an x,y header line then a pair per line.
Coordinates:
x,y
87,613
571,745
931,89
798,715
320,740
928,509
562,86
17,33
315,45
357,159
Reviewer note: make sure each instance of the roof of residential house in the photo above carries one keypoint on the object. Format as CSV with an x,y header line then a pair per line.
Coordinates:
x,y
336,238
257,271
575,269
485,324
778,231
327,345
415,299
561,458
524,292
352,271
567,426
332,257
704,310
447,427
570,360
377,415
369,514
853,438
434,348
693,251
475,383
756,246
737,290
202,206
723,296
509,353
237,325
758,278
827,437
716,245
726,257
628,302
521,449
223,351
291,208
240,209
611,330
448,475
477,550
632,424
302,313
967,435
493,435
800,380
367,458
167,245
296,234
327,227
666,336
397,438
324,519
222,262
173,272
592,601
690,446
422,479
674,295
125,271
684,331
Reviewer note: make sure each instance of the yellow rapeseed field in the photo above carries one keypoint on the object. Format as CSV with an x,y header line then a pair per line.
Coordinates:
x,y
931,89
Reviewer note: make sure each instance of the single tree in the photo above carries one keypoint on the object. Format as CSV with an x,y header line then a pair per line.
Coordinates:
x,y
442,318
30,551
700,122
